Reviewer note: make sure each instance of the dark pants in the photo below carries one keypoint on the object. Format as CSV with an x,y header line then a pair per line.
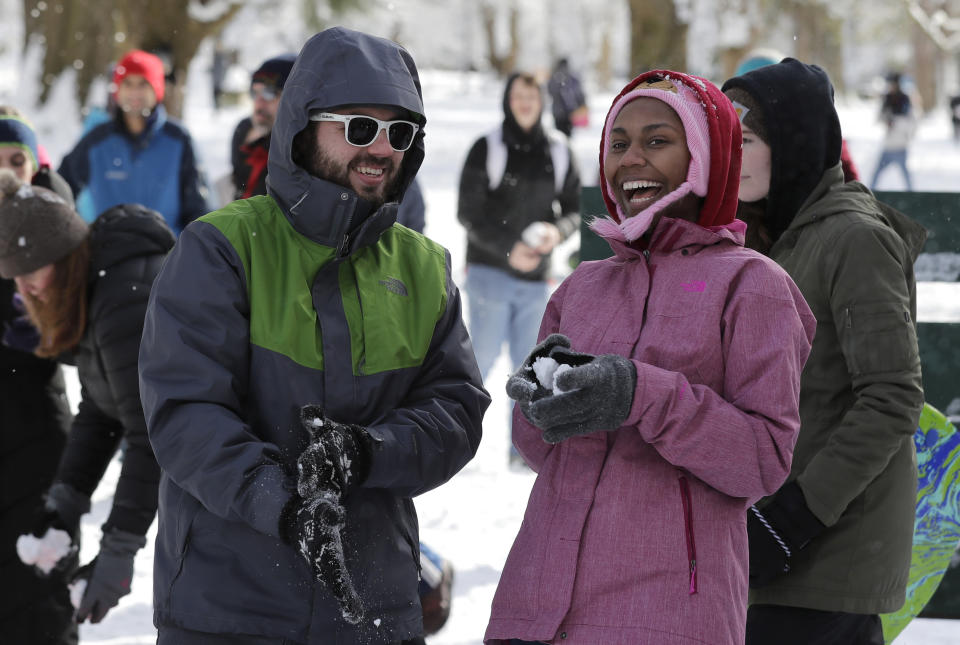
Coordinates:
x,y
775,625
177,636
47,621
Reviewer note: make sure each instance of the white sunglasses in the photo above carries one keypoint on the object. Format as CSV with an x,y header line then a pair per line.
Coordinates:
x,y
362,130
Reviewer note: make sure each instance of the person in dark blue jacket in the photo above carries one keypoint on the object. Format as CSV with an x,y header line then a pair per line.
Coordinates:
x,y
141,156
305,373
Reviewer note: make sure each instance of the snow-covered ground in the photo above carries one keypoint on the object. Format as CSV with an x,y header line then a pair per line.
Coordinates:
x,y
472,520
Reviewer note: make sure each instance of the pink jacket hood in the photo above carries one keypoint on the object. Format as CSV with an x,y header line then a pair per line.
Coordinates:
x,y
723,167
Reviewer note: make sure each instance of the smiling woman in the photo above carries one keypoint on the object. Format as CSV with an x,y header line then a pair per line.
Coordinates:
x,y
648,157
677,402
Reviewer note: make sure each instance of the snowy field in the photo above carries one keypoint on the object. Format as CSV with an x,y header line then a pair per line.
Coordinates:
x,y
472,520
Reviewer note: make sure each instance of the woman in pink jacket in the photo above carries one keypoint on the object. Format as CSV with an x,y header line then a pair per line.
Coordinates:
x,y
679,406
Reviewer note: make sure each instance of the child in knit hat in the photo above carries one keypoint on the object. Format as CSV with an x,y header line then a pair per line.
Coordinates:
x,y
672,401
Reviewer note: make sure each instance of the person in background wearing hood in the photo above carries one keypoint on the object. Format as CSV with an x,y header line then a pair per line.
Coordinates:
x,y
519,198
831,549
673,404
568,104
897,115
141,156
251,139
306,372
85,290
758,58
34,418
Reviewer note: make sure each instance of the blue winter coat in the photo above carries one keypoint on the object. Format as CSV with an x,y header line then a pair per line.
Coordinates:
x,y
305,295
157,168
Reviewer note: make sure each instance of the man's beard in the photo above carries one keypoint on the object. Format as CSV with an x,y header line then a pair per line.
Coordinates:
x,y
324,167
263,120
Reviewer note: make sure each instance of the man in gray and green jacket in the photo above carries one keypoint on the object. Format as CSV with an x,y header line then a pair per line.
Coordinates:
x,y
305,372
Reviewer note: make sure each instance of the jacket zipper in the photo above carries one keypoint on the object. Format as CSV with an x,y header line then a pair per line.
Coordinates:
x,y
688,531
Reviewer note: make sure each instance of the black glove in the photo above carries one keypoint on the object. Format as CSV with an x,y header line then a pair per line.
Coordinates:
x,y
595,394
337,459
778,532
314,526
108,575
53,542
64,506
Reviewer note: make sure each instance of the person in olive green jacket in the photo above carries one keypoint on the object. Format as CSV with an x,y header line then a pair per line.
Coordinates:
x,y
831,549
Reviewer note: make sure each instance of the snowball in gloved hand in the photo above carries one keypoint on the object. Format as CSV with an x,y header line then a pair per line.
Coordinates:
x,y
547,371
44,553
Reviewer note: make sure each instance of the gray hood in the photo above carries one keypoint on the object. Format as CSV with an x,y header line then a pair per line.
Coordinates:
x,y
340,67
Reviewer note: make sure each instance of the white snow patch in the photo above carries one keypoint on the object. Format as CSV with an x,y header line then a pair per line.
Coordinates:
x,y
77,589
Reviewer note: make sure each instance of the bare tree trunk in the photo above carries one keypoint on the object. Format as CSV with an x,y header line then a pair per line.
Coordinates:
x,y
88,35
818,38
605,61
658,40
503,64
925,67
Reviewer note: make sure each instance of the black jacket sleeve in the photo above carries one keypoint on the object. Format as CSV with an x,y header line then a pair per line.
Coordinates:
x,y
93,439
117,325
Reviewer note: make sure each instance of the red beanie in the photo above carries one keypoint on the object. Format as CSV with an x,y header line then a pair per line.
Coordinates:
x,y
146,65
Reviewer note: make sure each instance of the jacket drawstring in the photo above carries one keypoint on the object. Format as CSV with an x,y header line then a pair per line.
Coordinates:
x,y
688,530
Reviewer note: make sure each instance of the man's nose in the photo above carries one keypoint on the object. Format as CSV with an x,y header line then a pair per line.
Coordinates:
x,y
381,145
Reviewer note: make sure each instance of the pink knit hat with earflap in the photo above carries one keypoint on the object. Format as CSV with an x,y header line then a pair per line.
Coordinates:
x,y
690,109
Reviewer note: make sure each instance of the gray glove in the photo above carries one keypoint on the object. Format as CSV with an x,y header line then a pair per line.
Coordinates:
x,y
596,394
523,386
109,574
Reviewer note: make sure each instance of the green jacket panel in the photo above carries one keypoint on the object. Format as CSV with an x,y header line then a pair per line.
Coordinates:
x,y
386,294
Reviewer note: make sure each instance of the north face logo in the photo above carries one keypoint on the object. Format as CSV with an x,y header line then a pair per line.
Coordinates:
x,y
395,286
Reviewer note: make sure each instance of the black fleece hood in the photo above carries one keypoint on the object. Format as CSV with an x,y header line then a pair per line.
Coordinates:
x,y
802,130
340,67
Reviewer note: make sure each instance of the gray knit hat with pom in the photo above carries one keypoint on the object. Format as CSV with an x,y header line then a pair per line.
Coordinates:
x,y
37,227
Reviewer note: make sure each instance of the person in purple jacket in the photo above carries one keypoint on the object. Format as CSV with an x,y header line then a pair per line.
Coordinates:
x,y
673,402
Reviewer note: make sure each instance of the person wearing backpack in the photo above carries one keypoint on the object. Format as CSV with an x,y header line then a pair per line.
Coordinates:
x,y
519,198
